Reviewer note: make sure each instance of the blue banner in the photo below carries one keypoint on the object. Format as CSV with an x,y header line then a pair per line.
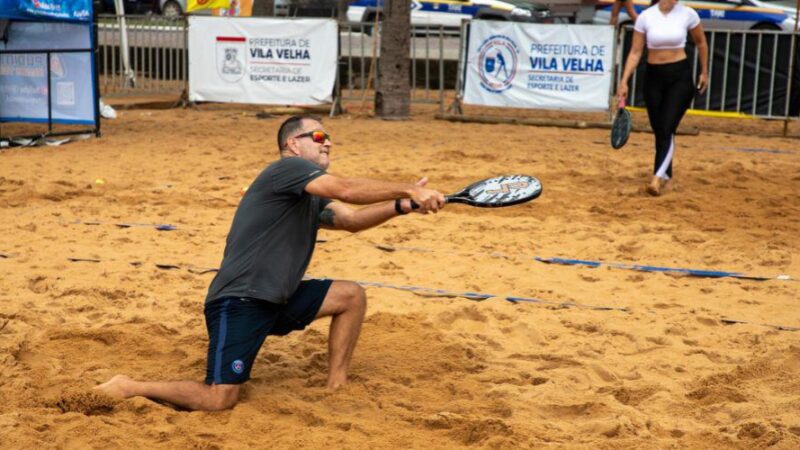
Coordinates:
x,y
70,10
24,83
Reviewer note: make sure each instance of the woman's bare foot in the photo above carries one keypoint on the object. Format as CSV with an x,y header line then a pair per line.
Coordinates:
x,y
335,382
654,188
116,387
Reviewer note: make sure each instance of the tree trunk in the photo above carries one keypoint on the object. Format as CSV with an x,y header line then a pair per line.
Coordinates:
x,y
341,9
393,96
263,8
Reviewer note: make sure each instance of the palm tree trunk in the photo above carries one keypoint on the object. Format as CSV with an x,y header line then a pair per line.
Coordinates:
x,y
341,9
393,98
263,8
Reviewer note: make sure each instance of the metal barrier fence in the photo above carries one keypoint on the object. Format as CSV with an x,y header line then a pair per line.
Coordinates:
x,y
749,72
159,58
158,55
433,53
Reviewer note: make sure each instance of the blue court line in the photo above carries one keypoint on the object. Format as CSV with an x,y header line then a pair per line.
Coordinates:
x,y
638,267
157,226
468,295
481,296
676,270
758,150
728,321
701,273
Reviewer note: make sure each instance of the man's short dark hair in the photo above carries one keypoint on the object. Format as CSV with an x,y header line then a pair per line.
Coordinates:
x,y
291,126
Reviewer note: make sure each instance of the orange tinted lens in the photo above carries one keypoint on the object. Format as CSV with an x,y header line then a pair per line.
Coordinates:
x,y
319,137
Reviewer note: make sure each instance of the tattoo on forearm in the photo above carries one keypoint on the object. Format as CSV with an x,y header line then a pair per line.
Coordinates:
x,y
326,217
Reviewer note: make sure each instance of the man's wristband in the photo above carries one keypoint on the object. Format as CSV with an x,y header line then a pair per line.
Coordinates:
x,y
398,206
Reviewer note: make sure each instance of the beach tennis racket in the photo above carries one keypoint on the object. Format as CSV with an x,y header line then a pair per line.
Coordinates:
x,y
496,192
621,128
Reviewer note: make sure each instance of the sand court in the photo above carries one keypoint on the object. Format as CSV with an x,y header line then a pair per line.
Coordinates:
x,y
665,361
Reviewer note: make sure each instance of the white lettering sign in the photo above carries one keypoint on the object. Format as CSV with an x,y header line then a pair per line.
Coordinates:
x,y
539,66
262,60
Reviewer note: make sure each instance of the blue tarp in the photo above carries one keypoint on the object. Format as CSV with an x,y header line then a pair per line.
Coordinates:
x,y
24,83
58,31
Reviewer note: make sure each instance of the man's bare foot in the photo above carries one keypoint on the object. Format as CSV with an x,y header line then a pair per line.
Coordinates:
x,y
116,387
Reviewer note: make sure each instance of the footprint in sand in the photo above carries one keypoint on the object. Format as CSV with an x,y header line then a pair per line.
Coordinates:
x,y
763,435
468,313
709,395
85,402
467,430
635,396
707,321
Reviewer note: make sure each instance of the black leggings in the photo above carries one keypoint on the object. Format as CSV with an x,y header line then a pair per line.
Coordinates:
x,y
668,92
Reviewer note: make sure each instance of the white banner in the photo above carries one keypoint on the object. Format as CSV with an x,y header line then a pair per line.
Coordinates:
x,y
262,60
539,66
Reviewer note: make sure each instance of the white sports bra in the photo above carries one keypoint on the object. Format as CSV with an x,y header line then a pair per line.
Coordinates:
x,y
666,31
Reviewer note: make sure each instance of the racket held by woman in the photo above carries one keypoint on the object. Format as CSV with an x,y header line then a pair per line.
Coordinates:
x,y
621,128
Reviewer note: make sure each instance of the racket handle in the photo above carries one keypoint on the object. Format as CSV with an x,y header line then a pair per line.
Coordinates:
x,y
415,205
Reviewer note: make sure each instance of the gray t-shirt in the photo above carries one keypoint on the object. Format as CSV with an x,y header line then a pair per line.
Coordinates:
x,y
272,236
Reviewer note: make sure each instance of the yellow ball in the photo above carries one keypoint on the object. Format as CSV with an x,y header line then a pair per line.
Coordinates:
x,y
99,181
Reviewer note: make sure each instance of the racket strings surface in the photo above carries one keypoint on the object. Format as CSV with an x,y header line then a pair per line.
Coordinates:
x,y
621,128
499,191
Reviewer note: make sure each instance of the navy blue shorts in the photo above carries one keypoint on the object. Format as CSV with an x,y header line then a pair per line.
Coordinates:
x,y
237,328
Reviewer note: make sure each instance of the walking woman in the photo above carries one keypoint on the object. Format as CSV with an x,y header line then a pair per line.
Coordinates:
x,y
668,87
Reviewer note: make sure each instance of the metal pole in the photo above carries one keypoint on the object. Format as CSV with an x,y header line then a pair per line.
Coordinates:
x,y
95,78
160,55
695,64
792,69
350,58
130,75
710,69
741,73
49,97
185,59
441,69
634,77
789,83
725,71
337,91
463,55
427,61
616,51
413,61
758,72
